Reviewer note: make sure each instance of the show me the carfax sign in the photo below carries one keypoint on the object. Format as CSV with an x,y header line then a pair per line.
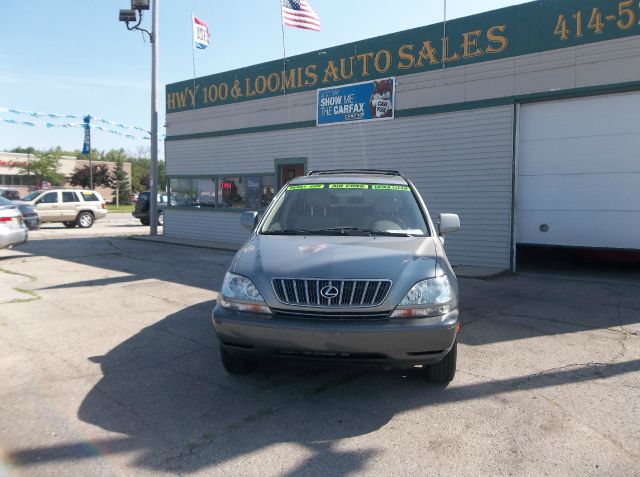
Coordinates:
x,y
366,101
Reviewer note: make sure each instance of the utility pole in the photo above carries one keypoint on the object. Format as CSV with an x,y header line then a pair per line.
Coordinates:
x,y
28,171
153,203
135,15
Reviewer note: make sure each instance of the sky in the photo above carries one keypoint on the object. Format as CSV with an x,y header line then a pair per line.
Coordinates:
x,y
75,57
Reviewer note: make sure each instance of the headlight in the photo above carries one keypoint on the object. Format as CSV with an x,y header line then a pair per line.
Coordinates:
x,y
431,297
239,293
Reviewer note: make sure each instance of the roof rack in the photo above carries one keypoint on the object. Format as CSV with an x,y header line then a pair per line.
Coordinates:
x,y
355,171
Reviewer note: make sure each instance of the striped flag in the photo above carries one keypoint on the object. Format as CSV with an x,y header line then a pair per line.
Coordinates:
x,y
299,14
201,35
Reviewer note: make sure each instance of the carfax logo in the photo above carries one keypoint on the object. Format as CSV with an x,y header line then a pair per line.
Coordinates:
x,y
382,99
370,100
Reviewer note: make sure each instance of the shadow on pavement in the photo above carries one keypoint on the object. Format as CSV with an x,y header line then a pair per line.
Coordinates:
x,y
165,390
524,306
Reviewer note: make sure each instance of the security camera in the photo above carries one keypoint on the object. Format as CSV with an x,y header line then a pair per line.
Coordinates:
x,y
128,15
140,4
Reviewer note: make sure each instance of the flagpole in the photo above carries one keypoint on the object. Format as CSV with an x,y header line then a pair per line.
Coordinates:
x,y
444,30
193,54
284,54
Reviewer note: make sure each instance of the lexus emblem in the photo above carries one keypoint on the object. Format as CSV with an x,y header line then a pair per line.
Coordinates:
x,y
329,292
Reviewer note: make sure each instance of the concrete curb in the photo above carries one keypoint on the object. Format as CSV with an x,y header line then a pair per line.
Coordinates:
x,y
186,242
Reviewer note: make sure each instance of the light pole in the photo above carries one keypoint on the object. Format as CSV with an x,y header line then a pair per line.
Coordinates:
x,y
28,172
130,16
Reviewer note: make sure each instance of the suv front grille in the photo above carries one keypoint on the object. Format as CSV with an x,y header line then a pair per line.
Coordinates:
x,y
329,315
350,293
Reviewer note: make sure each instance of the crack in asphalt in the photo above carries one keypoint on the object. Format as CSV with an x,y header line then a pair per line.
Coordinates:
x,y
39,351
586,365
618,445
32,295
164,299
182,337
490,315
482,376
197,447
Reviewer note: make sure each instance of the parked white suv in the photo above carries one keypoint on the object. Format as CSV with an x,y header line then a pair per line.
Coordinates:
x,y
70,206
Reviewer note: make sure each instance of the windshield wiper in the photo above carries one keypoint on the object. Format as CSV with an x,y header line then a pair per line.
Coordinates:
x,y
289,232
360,231
355,231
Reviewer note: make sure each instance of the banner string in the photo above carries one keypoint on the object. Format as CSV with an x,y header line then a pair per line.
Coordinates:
x,y
49,125
35,114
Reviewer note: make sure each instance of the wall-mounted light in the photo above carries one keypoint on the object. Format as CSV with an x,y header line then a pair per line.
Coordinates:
x,y
140,5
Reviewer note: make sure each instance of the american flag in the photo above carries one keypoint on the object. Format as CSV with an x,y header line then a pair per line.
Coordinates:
x,y
299,14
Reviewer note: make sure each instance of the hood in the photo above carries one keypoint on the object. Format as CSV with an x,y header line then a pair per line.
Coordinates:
x,y
345,257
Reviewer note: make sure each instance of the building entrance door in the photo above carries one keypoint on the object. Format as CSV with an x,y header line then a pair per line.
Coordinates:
x,y
289,171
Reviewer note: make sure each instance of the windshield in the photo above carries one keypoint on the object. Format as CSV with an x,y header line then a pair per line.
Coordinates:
x,y
32,195
346,209
4,201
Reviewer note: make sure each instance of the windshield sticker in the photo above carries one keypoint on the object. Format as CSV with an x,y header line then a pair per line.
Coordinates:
x,y
306,186
390,187
348,186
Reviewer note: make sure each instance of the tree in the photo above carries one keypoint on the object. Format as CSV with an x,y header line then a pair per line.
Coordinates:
x,y
24,150
44,167
120,183
114,155
141,174
101,176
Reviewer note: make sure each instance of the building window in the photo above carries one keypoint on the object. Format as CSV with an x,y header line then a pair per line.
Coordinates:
x,y
268,190
182,192
232,192
223,192
205,192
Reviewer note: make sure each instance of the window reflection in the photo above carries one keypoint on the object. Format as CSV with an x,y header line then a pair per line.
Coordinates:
x,y
206,192
231,192
252,192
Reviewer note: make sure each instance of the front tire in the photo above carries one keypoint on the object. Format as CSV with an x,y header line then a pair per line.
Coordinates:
x,y
161,218
236,364
85,220
444,371
144,221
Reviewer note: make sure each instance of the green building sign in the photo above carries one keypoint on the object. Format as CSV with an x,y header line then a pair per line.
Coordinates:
x,y
513,31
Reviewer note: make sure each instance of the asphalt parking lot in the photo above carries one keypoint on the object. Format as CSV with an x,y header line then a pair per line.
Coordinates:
x,y
113,225
109,366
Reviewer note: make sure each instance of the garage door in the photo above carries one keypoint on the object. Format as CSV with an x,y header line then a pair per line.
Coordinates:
x,y
579,172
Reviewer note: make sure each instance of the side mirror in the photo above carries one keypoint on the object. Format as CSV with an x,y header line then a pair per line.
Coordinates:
x,y
449,223
249,219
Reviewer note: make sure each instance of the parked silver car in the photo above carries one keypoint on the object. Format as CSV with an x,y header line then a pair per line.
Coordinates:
x,y
347,266
29,215
12,228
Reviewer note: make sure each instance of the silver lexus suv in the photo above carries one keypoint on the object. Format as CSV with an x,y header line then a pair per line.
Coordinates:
x,y
343,266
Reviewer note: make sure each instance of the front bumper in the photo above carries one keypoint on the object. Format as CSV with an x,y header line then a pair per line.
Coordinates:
x,y
397,341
